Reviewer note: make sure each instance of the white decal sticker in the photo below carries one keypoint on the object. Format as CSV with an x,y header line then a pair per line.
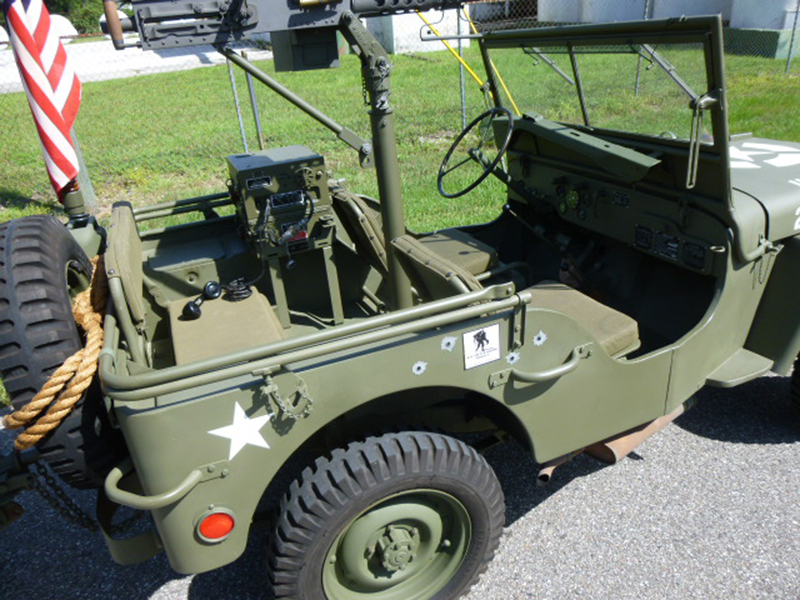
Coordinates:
x,y
797,222
784,160
481,346
740,164
243,431
419,367
449,343
779,156
540,339
795,182
512,357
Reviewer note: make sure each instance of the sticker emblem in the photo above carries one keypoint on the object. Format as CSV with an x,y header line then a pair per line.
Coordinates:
x,y
540,338
419,367
481,346
243,431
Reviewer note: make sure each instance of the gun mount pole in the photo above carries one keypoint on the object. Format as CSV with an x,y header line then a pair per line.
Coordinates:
x,y
376,69
346,135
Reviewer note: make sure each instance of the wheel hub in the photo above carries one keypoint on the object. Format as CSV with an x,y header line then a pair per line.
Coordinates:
x,y
398,547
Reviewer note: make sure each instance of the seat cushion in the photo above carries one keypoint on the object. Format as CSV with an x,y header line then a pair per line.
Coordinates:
x,y
223,328
615,331
461,249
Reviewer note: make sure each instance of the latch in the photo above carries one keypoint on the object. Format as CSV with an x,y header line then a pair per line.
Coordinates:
x,y
699,105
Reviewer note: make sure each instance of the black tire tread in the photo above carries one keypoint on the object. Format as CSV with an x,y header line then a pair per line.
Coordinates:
x,y
38,332
332,483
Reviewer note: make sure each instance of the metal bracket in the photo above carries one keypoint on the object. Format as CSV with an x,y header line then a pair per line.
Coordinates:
x,y
296,405
519,323
215,470
499,378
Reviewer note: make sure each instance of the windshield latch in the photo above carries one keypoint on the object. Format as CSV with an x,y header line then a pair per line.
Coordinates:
x,y
698,105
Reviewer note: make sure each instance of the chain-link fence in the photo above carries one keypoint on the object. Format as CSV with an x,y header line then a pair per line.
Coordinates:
x,y
157,125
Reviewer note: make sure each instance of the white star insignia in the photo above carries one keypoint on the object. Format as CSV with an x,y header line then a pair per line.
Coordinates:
x,y
243,431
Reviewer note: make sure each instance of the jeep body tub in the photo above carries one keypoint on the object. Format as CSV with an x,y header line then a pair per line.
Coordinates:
x,y
675,268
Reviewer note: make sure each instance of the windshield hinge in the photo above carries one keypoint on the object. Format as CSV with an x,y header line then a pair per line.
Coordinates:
x,y
698,105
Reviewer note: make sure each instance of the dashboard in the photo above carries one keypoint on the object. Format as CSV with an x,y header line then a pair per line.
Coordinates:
x,y
554,178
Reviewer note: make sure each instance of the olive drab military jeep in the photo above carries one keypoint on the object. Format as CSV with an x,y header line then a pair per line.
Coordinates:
x,y
307,346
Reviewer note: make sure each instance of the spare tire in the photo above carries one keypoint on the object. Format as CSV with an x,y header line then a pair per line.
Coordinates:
x,y
42,268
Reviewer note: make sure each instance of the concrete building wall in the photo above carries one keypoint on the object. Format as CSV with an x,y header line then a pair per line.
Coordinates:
x,y
662,9
771,14
596,11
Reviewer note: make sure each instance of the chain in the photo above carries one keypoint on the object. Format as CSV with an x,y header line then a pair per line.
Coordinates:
x,y
300,410
294,410
364,90
56,497
384,69
49,489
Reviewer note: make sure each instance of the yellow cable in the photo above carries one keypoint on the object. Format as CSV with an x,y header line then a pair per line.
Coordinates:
x,y
491,63
452,51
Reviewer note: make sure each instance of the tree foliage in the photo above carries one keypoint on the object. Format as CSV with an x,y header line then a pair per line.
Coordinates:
x,y
83,14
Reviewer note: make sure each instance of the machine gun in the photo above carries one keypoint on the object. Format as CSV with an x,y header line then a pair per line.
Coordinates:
x,y
304,28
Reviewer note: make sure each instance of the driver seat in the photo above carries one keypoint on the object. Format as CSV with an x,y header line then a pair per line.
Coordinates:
x,y
468,255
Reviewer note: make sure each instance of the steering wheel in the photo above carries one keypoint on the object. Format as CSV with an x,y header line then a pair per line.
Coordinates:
x,y
482,138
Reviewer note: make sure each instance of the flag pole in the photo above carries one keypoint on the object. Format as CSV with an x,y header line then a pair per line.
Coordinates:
x,y
84,181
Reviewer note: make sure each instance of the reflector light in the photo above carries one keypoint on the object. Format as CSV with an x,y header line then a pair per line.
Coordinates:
x,y
216,526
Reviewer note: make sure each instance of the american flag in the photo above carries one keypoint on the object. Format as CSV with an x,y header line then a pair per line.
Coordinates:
x,y
53,89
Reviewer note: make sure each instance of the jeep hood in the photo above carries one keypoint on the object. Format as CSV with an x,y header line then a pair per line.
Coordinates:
x,y
769,172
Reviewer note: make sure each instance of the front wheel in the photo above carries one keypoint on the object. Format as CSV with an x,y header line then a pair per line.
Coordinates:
x,y
406,516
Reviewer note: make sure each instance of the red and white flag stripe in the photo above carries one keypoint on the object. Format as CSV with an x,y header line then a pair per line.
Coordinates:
x,y
53,89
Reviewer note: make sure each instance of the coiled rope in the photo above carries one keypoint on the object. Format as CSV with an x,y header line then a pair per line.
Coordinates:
x,y
66,386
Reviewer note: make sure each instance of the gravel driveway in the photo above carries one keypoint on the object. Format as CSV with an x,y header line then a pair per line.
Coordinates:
x,y
707,509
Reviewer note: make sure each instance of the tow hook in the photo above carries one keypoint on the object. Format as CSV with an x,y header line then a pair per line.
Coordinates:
x,y
14,478
9,512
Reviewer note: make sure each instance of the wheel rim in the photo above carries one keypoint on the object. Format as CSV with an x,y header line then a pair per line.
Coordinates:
x,y
405,547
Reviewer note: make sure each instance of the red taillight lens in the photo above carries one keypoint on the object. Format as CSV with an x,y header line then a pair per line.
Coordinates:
x,y
216,526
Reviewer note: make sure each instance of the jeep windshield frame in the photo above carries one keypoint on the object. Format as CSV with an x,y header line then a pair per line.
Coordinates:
x,y
564,55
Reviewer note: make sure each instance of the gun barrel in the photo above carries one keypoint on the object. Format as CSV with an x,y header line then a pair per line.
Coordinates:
x,y
369,8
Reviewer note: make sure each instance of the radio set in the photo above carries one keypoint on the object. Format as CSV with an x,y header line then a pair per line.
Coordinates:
x,y
284,207
282,199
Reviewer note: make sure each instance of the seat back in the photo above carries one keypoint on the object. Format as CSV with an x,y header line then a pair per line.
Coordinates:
x,y
433,276
124,258
363,223
125,278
